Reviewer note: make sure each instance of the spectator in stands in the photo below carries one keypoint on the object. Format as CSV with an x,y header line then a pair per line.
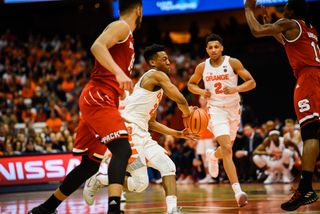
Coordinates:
x,y
27,91
8,148
56,145
247,169
41,115
268,127
53,99
29,148
54,122
68,84
39,98
28,117
69,143
17,147
8,116
39,144
2,136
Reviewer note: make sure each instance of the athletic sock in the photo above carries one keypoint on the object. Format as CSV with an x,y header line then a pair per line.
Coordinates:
x,y
171,202
114,204
236,188
103,179
212,156
305,183
52,203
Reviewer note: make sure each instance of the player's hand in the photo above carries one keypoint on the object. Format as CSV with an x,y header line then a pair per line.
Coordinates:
x,y
250,4
265,15
206,93
125,120
124,81
189,135
271,155
229,90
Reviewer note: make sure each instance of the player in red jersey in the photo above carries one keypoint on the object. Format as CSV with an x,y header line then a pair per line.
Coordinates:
x,y
300,40
101,125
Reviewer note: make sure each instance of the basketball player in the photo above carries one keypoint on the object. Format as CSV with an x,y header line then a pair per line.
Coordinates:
x,y
292,134
140,111
101,125
273,155
220,77
300,40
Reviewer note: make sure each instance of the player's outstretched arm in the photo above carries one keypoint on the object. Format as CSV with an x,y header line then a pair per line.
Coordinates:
x,y
259,30
117,31
261,149
160,128
194,81
249,82
288,143
172,92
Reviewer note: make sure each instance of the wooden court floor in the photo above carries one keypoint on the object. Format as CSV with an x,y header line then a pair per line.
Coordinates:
x,y
193,198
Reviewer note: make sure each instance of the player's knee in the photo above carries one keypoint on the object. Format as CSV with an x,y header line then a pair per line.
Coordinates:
x,y
286,154
167,167
310,131
138,183
227,149
257,160
120,148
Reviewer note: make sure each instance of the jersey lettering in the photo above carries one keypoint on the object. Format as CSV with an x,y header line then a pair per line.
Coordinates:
x,y
316,51
218,88
217,77
303,105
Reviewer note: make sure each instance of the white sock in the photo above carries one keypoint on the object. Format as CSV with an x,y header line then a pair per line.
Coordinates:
x,y
171,202
103,179
236,188
212,156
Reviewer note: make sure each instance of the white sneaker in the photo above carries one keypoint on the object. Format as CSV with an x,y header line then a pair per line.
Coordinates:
x,y
287,179
213,165
269,179
187,180
175,210
123,199
205,180
90,189
179,180
242,199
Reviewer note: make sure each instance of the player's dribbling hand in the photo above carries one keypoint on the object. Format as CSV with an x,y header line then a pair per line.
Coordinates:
x,y
124,81
207,93
189,135
251,4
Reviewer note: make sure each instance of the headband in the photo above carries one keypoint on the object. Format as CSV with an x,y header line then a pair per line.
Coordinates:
x,y
274,132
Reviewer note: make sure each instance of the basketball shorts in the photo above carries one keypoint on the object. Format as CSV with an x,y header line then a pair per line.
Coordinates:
x,y
224,120
146,152
307,97
203,145
100,121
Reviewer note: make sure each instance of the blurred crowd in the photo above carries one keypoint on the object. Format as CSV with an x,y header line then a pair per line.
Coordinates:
x,y
40,83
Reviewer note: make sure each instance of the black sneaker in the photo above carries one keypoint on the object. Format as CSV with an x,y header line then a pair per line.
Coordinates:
x,y
41,210
299,199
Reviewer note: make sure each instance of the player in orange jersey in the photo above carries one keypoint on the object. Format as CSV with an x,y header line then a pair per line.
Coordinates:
x,y
101,125
301,44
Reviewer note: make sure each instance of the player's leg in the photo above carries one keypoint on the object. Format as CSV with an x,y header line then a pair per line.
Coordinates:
x,y
158,159
72,182
305,193
287,163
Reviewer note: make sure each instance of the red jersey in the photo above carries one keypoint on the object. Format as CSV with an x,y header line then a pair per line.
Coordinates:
x,y
303,52
123,54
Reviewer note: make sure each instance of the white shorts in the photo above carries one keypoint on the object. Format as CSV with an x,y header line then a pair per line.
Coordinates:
x,y
149,152
224,121
203,145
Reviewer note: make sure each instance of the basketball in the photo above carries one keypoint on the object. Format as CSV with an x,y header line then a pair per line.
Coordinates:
x,y
197,121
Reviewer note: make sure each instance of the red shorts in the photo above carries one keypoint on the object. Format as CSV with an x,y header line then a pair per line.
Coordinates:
x,y
307,97
100,121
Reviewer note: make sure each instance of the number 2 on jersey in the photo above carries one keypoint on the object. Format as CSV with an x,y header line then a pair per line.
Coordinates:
x,y
218,88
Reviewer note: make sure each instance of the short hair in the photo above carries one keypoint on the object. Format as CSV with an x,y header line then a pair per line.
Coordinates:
x,y
299,7
289,121
150,52
213,37
126,5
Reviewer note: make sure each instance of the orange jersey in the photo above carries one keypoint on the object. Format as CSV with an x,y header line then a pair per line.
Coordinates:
x,y
303,52
123,54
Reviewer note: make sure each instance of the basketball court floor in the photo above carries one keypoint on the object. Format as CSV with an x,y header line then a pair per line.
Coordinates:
x,y
192,198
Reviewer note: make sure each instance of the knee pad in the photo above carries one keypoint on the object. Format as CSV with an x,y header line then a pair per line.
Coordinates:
x,y
310,131
138,183
164,164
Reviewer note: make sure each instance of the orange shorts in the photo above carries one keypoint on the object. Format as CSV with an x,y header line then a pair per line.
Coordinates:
x,y
307,97
100,121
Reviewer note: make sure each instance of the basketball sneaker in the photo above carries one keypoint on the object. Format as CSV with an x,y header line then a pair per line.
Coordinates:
x,y
269,179
205,180
213,165
90,189
41,210
298,199
175,210
242,199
